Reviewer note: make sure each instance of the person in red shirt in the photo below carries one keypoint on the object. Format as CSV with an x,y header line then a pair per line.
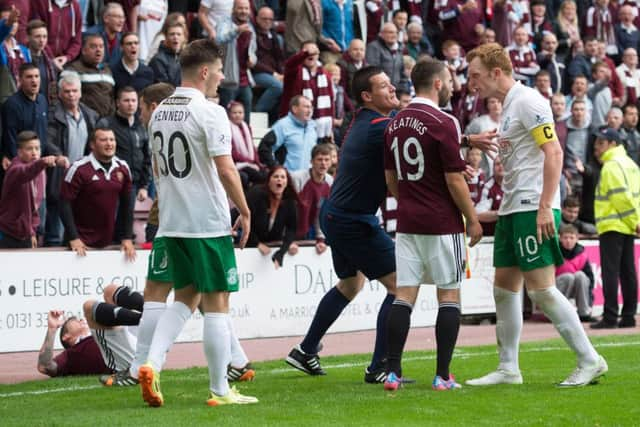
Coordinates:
x,y
23,192
424,172
99,343
94,190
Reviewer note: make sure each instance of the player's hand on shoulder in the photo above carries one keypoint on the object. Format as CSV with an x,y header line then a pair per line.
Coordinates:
x,y
129,250
474,232
78,247
487,141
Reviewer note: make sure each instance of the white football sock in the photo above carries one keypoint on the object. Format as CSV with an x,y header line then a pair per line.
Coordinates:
x,y
564,317
508,327
167,330
238,356
217,349
151,312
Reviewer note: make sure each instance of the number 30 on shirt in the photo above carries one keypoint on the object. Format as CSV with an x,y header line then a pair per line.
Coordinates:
x,y
412,156
167,161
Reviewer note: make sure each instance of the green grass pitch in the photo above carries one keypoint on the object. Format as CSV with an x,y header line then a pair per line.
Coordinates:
x,y
290,398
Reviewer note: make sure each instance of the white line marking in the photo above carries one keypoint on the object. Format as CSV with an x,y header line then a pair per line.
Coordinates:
x,y
459,354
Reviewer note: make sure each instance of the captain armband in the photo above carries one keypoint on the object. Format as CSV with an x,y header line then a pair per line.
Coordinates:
x,y
544,133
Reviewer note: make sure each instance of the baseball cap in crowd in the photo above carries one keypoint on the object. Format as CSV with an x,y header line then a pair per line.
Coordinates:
x,y
610,134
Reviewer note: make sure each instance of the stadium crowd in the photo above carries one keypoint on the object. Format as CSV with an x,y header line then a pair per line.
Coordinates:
x,y
72,71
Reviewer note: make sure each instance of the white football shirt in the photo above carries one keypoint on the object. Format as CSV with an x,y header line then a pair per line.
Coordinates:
x,y
186,131
527,122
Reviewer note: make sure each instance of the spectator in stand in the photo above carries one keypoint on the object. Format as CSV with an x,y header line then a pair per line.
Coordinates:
x,y
476,176
341,103
304,75
599,23
90,11
417,44
617,211
574,278
453,57
96,77
243,150
559,110
629,76
268,71
617,89
175,18
490,199
580,63
488,36
290,140
600,94
132,146
150,20
404,98
24,7
68,129
313,186
236,35
568,28
210,13
25,110
570,214
166,63
22,193
376,11
303,23
550,62
385,52
541,23
113,22
130,70
629,132
96,190
352,60
37,42
486,122
400,18
578,132
461,20
507,16
12,53
579,89
626,34
542,82
522,57
337,28
273,215
64,23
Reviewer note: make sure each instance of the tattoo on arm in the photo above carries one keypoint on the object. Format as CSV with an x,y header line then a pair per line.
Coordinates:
x,y
46,364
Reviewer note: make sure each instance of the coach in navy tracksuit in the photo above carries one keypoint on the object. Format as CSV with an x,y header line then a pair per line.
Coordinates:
x,y
359,246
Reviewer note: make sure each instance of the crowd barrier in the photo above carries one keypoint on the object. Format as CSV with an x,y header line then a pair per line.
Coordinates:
x,y
270,303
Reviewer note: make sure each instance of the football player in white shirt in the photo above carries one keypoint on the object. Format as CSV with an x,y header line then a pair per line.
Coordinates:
x,y
191,145
526,243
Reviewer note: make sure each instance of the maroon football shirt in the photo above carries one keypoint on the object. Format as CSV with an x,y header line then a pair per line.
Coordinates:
x,y
94,194
83,358
423,142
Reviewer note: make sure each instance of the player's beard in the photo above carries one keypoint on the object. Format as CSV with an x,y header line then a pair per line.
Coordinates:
x,y
444,95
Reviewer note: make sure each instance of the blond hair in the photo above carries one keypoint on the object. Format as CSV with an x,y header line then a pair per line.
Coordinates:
x,y
491,55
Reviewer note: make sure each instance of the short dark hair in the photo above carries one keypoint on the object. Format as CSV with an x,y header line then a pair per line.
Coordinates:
x,y
626,107
26,67
543,73
425,73
63,331
125,89
128,34
568,229
26,136
35,24
156,93
362,81
324,148
199,52
397,12
90,36
101,128
571,202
